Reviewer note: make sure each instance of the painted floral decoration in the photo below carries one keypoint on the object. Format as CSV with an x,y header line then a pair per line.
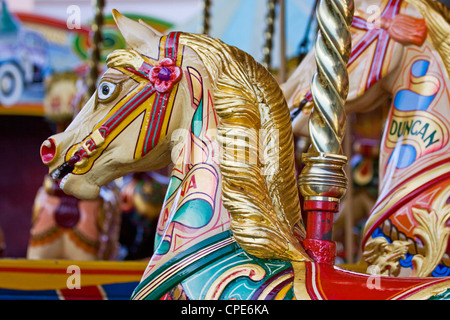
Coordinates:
x,y
165,75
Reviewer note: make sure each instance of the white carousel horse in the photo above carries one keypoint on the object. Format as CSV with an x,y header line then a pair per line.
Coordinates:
x,y
400,51
230,226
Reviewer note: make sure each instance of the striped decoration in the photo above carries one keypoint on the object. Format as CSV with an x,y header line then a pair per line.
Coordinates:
x,y
378,35
183,265
113,291
217,268
22,279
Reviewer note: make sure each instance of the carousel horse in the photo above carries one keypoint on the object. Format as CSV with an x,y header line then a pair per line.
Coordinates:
x,y
64,227
141,198
230,226
400,54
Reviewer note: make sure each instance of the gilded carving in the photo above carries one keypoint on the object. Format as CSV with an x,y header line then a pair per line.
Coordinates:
x,y
385,256
433,231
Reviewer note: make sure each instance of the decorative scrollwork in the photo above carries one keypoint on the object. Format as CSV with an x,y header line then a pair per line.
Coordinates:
x,y
433,232
252,271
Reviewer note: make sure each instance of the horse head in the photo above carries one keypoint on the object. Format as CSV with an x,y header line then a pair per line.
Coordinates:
x,y
127,124
162,85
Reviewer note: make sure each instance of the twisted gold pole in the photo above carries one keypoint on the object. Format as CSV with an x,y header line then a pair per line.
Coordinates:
x,y
268,33
96,47
323,181
323,177
205,28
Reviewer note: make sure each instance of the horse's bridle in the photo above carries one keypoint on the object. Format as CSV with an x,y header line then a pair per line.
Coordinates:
x,y
164,71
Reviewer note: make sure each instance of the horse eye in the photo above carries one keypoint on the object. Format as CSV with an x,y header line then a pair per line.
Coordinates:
x,y
106,90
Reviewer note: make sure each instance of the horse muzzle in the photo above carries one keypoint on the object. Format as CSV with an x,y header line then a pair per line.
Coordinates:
x,y
48,157
48,151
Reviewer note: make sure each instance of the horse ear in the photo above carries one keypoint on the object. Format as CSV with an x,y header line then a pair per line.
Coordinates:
x,y
159,34
138,36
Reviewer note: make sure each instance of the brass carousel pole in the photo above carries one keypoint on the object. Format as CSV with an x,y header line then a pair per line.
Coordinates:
x,y
323,181
282,75
96,46
205,29
268,34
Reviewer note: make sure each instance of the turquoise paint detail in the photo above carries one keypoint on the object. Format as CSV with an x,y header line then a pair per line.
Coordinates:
x,y
241,288
441,296
195,213
174,183
197,121
163,247
156,242
189,270
197,277
290,295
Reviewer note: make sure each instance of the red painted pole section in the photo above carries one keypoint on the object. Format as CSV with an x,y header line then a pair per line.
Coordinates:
x,y
319,230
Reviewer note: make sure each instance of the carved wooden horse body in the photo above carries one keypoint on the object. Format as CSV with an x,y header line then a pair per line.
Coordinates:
x,y
230,227
399,53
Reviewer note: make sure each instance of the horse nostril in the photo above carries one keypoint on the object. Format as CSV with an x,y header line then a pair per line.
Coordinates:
x,y
48,151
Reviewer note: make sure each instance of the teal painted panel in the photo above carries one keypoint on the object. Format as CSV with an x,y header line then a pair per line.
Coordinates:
x,y
195,213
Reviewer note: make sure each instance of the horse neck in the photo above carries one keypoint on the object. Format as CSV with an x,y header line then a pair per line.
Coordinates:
x,y
384,69
416,133
192,209
380,30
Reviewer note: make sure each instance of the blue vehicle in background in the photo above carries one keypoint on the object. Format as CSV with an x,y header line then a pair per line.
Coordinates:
x,y
24,58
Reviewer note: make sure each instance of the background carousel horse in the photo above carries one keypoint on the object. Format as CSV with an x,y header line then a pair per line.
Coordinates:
x,y
141,199
364,176
400,51
64,227
230,226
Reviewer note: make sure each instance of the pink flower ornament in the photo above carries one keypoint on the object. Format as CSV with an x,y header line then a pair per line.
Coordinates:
x,y
165,75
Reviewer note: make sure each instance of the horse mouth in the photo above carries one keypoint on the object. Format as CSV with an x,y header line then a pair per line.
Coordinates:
x,y
61,173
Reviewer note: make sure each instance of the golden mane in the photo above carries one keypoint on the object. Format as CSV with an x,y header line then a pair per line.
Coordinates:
x,y
259,185
437,17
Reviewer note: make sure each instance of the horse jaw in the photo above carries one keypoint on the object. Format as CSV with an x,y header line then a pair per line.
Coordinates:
x,y
79,187
138,35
